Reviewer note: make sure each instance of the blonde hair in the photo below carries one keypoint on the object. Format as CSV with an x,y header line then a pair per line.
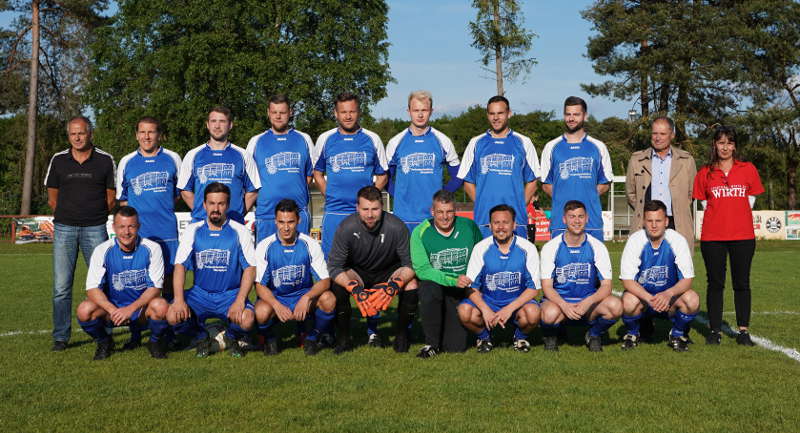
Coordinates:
x,y
420,95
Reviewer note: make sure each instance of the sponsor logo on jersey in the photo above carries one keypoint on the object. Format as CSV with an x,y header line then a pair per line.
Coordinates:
x,y
289,275
725,191
134,279
505,281
350,161
578,166
499,163
213,259
419,162
216,172
654,276
577,273
283,161
451,259
152,181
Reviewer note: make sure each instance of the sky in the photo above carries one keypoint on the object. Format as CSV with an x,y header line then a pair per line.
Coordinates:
x,y
430,49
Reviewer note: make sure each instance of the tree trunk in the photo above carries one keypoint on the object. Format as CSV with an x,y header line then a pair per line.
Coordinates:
x,y
498,50
644,91
791,173
30,146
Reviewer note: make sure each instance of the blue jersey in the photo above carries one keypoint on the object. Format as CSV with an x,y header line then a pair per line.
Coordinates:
x,y
576,271
289,270
574,170
417,161
349,163
217,257
499,168
148,183
231,166
124,276
656,268
499,277
284,163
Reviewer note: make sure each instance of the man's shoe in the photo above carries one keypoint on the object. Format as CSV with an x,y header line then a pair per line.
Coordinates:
x,y
714,338
646,328
427,351
550,343
401,344
375,341
630,341
59,346
131,345
157,350
678,344
203,349
234,348
594,343
485,346
342,346
325,340
310,347
104,349
522,345
743,339
271,347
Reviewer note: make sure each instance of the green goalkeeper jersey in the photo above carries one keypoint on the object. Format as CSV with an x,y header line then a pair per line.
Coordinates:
x,y
439,258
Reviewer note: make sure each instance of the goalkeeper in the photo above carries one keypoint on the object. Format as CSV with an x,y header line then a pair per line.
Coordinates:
x,y
370,262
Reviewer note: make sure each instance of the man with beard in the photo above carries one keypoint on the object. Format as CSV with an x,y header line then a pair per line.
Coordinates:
x,y
282,156
219,160
500,167
576,166
220,253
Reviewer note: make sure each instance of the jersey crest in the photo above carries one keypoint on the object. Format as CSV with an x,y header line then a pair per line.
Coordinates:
x,y
213,259
134,279
499,163
283,161
505,281
350,161
577,273
216,172
289,275
419,162
152,181
578,166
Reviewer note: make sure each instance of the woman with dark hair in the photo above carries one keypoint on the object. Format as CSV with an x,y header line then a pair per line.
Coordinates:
x,y
727,187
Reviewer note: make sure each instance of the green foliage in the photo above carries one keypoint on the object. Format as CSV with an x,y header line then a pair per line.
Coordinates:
x,y
176,59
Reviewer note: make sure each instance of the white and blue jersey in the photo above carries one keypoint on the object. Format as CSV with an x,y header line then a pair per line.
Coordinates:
x,y
576,271
217,257
656,268
574,170
349,163
416,162
501,278
289,271
499,168
124,276
231,166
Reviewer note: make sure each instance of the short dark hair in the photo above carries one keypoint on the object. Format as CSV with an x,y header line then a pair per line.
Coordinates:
x,y
369,193
126,211
444,196
574,100
224,110
287,205
655,205
669,121
83,119
503,208
498,98
214,187
344,97
280,98
573,204
151,120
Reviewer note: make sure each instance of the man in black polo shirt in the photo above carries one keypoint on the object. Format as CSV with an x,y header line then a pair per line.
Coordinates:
x,y
370,260
80,190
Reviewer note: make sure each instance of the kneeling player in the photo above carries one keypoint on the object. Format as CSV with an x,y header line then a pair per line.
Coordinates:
x,y
220,253
504,270
576,280
287,263
122,286
657,273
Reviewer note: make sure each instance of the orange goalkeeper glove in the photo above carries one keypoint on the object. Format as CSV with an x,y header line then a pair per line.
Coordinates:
x,y
384,293
361,295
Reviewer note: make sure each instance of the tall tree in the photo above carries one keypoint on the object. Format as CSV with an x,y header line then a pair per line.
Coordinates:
x,y
176,59
498,33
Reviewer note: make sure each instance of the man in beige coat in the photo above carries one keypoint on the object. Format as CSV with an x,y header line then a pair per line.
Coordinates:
x,y
662,172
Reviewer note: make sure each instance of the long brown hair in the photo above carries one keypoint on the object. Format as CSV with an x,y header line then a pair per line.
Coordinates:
x,y
719,132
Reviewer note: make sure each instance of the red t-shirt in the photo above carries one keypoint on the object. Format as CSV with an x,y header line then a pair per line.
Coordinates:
x,y
727,216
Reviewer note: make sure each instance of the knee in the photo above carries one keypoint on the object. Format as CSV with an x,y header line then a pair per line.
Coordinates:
x,y
326,302
550,313
631,304
530,315
464,313
692,301
613,306
247,319
85,310
157,308
263,311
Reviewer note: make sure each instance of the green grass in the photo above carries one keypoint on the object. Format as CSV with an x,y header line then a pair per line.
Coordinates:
x,y
651,389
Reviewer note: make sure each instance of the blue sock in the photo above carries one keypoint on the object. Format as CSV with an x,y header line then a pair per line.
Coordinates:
x,y
599,326
483,335
157,328
136,331
95,328
372,324
680,321
550,329
265,329
519,335
632,323
234,331
322,323
187,327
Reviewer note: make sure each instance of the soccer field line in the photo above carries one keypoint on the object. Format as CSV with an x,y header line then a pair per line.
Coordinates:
x,y
768,313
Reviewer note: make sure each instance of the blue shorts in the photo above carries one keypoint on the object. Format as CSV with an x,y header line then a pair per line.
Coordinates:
x,y
567,321
168,250
330,222
207,305
521,231
266,226
290,301
496,306
650,312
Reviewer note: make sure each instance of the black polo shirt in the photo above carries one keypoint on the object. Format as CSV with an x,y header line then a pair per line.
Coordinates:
x,y
81,187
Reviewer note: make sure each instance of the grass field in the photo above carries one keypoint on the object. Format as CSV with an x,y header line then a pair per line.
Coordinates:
x,y
651,389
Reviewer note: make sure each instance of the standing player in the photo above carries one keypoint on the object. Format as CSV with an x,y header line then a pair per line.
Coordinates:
x,y
220,253
504,274
221,161
347,159
282,156
291,280
500,167
416,157
122,286
576,280
370,260
657,273
576,166
440,251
